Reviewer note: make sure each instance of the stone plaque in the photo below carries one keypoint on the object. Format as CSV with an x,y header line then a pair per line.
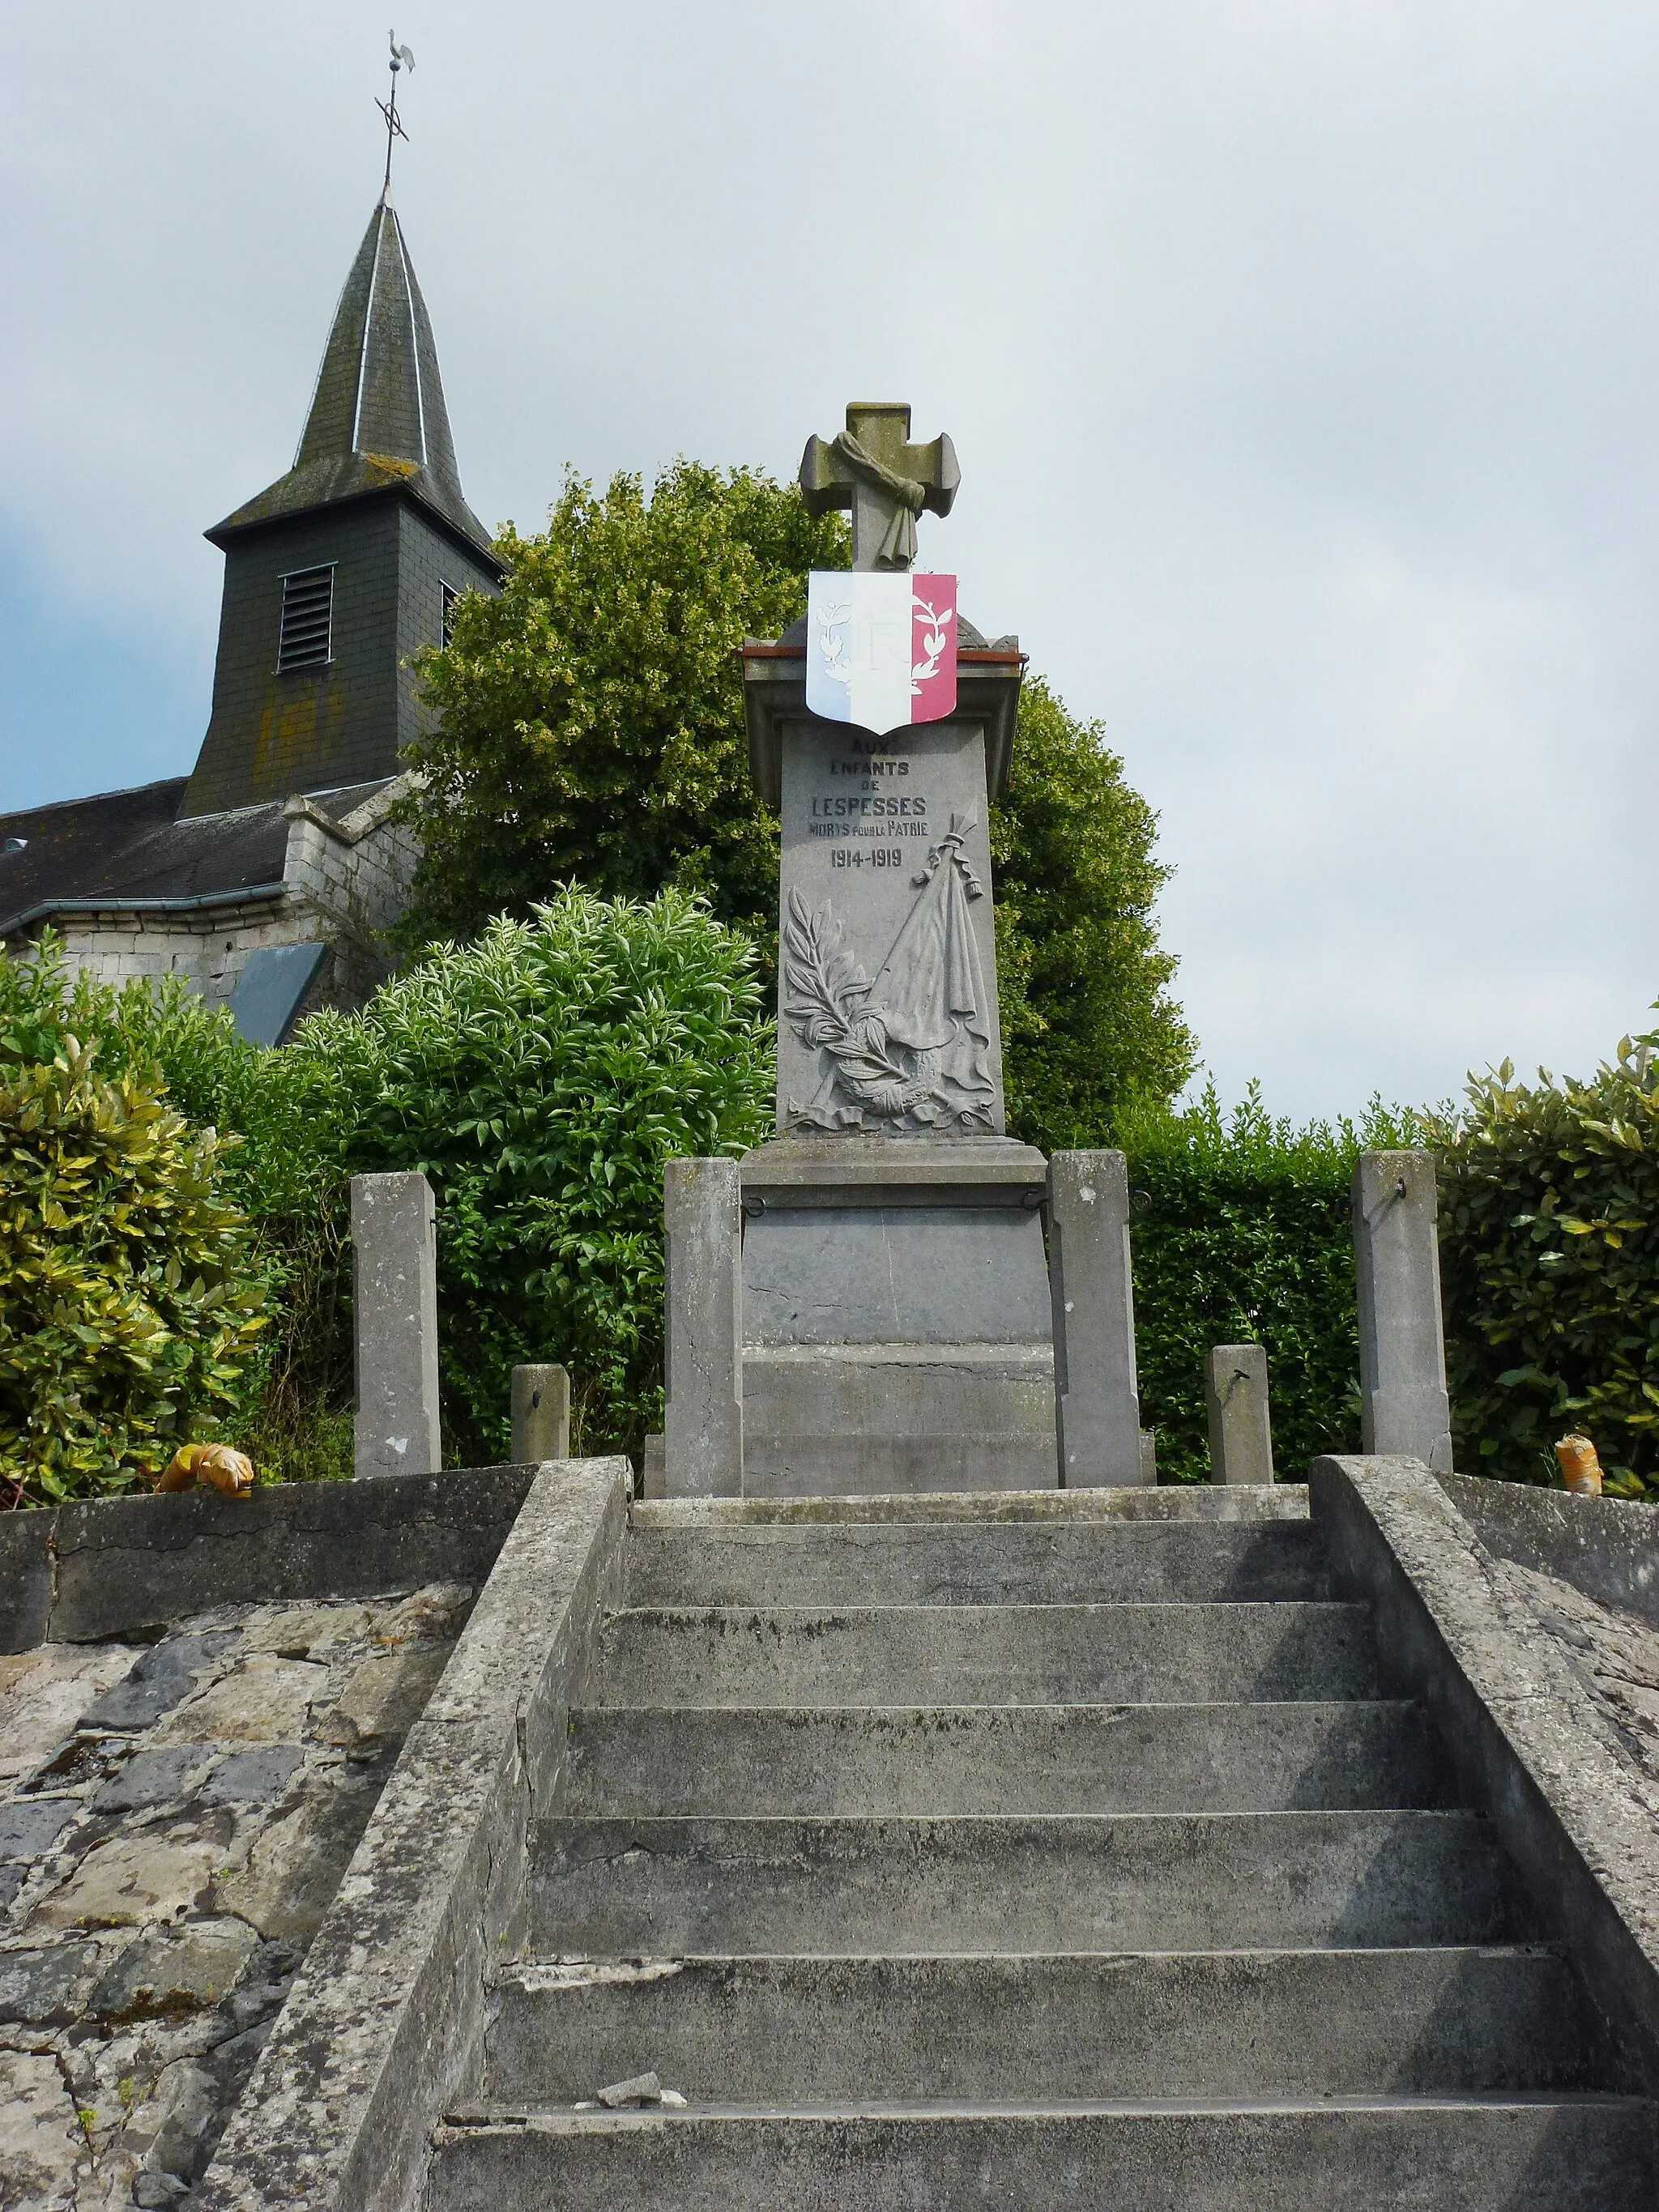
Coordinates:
x,y
887,992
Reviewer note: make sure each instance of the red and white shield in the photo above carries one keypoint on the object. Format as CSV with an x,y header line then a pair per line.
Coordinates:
x,y
881,648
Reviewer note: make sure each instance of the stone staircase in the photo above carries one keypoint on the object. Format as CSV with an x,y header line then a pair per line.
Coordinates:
x,y
1020,1851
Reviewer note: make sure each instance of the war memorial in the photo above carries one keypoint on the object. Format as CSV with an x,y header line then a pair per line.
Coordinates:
x,y
865,1302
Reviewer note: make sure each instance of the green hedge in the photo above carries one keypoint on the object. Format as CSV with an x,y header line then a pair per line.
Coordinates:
x,y
130,1291
1240,1234
1549,1255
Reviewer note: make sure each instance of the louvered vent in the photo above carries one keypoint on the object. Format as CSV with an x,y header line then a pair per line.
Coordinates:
x,y
307,619
447,596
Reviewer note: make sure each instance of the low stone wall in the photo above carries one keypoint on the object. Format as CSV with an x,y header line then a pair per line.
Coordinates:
x,y
210,1698
174,1821
128,1567
1608,1549
1613,1655
384,2029
1523,1679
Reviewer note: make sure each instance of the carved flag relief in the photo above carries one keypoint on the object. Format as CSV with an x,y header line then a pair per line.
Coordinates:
x,y
881,647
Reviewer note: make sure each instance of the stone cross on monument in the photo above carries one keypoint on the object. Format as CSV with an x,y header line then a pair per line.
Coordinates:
x,y
872,468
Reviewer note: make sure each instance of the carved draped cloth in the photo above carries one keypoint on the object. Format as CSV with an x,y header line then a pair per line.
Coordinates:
x,y
897,549
929,994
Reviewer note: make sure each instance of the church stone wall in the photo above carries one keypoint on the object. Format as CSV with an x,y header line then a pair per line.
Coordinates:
x,y
349,882
346,884
209,949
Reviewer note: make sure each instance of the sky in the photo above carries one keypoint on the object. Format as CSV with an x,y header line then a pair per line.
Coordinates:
x,y
1301,358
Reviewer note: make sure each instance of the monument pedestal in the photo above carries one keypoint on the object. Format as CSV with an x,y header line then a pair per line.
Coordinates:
x,y
897,1317
896,1323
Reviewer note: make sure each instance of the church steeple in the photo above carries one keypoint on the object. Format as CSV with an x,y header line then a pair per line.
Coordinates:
x,y
378,417
340,571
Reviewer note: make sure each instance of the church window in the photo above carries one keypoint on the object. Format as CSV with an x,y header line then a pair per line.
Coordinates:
x,y
306,640
447,596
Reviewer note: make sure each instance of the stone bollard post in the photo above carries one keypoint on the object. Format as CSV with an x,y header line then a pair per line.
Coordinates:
x,y
1096,1406
702,1420
394,1264
1404,1408
1235,1393
541,1414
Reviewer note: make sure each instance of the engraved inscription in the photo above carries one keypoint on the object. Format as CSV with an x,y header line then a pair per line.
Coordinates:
x,y
887,999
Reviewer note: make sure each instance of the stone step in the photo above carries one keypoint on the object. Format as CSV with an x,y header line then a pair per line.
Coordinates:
x,y
1189,1502
1371,2154
1254,1881
939,1759
1055,1655
790,2031
1030,1563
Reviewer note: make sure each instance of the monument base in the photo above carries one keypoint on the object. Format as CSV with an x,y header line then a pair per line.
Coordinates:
x,y
919,1464
823,1420
898,1323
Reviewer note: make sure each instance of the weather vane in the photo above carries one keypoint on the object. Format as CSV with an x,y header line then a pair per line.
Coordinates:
x,y
401,59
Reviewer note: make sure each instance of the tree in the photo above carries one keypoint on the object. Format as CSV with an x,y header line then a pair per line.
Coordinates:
x,y
1089,1027
591,732
591,717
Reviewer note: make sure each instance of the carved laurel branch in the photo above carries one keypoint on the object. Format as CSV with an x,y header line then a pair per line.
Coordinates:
x,y
834,648
933,644
824,983
822,980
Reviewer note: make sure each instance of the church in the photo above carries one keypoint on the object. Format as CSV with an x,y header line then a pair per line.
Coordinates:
x,y
269,877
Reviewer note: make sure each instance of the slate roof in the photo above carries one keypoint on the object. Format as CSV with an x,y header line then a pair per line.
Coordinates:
x,y
129,849
378,421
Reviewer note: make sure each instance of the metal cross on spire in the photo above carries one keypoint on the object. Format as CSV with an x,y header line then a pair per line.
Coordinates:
x,y
401,59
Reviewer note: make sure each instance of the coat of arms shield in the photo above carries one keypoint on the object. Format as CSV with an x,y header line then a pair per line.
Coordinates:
x,y
881,647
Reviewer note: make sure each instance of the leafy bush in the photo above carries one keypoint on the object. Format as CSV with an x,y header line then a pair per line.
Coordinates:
x,y
159,1032
540,1079
1241,1234
130,1292
287,1176
290,1174
1549,1252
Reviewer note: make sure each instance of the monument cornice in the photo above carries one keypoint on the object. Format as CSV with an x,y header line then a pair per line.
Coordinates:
x,y
826,1173
775,695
